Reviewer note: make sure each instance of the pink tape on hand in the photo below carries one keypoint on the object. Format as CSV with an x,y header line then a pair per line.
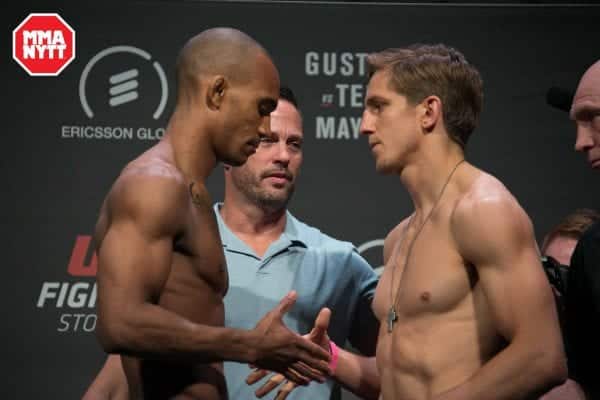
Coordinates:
x,y
333,349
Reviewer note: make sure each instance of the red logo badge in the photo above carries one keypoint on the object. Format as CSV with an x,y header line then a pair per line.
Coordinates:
x,y
43,44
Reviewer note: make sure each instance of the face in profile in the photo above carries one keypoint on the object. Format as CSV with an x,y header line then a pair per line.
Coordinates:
x,y
269,175
390,123
585,111
247,109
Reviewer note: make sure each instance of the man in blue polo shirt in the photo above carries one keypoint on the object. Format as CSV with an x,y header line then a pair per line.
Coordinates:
x,y
269,252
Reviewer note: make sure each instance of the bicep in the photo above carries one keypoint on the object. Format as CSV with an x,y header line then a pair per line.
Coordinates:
x,y
134,258
517,291
133,264
504,252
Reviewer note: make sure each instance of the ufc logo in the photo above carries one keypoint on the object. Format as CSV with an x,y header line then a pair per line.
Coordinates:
x,y
79,256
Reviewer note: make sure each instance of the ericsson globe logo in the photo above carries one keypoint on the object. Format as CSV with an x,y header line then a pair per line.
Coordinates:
x,y
122,76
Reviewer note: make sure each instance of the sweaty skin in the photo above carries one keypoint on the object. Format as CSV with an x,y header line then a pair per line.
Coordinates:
x,y
475,315
454,314
161,268
193,279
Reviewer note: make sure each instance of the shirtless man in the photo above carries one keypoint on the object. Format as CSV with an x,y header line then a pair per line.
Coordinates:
x,y
162,273
465,309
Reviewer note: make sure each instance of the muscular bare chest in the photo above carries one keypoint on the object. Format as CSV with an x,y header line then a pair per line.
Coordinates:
x,y
198,279
432,296
433,280
201,244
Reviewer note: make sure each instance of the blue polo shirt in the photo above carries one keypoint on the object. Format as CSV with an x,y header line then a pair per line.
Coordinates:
x,y
325,272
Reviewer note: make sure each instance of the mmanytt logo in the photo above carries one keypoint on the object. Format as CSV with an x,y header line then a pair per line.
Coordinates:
x,y
44,44
122,85
374,258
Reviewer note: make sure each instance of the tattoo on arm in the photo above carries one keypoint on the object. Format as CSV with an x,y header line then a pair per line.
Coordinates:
x,y
196,197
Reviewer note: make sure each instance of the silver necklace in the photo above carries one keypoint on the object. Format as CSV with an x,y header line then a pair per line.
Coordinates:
x,y
392,316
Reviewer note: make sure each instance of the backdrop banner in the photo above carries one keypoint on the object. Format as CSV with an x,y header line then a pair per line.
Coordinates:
x,y
68,136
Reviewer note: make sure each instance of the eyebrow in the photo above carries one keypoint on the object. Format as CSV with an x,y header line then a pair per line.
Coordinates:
x,y
290,137
295,136
585,111
375,99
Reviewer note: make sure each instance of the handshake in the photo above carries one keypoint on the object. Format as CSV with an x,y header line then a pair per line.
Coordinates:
x,y
278,348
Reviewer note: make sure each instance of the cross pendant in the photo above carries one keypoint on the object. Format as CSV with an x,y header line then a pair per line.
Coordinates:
x,y
391,318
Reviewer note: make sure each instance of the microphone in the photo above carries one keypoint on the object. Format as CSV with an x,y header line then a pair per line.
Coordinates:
x,y
560,98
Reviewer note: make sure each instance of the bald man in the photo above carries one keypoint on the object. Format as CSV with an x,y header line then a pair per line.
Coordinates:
x,y
583,297
162,273
585,111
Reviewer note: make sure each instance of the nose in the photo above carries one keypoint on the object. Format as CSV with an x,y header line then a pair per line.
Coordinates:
x,y
584,140
282,153
367,126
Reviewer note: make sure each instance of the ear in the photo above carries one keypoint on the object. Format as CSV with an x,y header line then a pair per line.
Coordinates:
x,y
431,108
216,92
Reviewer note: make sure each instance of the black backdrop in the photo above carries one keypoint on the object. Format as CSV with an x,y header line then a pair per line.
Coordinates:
x,y
54,181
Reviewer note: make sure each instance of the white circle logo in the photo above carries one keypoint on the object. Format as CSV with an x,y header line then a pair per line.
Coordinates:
x,y
124,84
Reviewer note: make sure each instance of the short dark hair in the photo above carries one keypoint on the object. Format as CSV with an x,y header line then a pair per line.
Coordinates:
x,y
287,94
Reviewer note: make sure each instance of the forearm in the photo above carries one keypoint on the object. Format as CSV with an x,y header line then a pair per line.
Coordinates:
x,y
518,372
151,332
358,374
110,383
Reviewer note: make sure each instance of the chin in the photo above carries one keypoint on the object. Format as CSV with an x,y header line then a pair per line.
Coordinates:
x,y
383,168
276,193
280,196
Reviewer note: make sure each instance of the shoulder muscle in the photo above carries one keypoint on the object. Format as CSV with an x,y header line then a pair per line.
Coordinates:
x,y
154,202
